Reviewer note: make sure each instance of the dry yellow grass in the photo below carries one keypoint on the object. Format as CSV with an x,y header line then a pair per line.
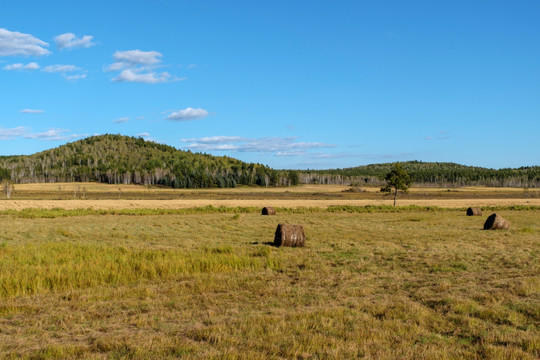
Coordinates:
x,y
190,203
416,284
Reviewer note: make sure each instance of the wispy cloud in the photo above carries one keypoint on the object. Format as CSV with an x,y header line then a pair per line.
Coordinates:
x,y
291,153
139,66
322,160
188,114
75,77
138,75
442,135
216,139
132,58
32,111
30,66
26,133
60,68
143,135
281,146
64,69
70,41
340,155
7,134
52,134
388,156
14,43
317,155
121,120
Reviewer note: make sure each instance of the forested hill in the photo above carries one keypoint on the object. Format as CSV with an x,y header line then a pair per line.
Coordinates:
x,y
425,173
120,159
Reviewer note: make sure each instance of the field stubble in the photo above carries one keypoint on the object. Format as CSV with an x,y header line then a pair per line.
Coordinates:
x,y
411,284
69,194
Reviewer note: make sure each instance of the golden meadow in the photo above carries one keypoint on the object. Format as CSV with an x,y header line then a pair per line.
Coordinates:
x,y
373,282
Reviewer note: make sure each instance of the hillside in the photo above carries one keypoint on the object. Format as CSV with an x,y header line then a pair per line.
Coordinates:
x,y
425,173
120,159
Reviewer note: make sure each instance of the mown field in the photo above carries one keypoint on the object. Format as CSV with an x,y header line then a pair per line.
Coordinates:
x,y
100,191
372,283
105,196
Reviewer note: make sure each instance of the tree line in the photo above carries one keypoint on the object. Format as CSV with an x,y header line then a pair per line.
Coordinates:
x,y
429,174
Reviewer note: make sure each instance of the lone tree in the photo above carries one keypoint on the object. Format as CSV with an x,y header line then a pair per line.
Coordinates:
x,y
396,180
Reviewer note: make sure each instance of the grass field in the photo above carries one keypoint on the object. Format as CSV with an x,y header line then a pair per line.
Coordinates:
x,y
377,283
194,203
335,193
105,196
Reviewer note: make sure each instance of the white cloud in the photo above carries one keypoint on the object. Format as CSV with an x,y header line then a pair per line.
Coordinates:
x,y
143,135
137,57
26,133
75,77
291,153
15,43
121,120
115,67
19,66
340,155
281,146
63,69
134,75
60,68
52,134
70,41
178,79
7,134
32,111
188,114
139,66
216,139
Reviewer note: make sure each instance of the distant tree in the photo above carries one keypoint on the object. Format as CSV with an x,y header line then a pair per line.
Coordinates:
x,y
293,177
7,187
396,180
5,174
274,178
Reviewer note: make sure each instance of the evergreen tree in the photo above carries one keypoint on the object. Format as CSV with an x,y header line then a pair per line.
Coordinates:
x,y
396,180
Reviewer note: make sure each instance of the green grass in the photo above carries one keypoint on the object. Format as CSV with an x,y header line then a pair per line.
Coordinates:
x,y
371,283
35,213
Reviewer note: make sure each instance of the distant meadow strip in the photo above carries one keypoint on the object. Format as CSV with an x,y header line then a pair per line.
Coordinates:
x,y
34,213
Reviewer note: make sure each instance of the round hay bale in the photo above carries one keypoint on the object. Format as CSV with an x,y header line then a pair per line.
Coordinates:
x,y
289,235
472,211
268,211
496,222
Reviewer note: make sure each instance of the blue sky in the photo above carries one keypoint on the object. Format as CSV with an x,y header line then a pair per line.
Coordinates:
x,y
290,84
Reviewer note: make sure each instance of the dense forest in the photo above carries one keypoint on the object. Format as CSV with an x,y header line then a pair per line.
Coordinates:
x,y
428,173
118,159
